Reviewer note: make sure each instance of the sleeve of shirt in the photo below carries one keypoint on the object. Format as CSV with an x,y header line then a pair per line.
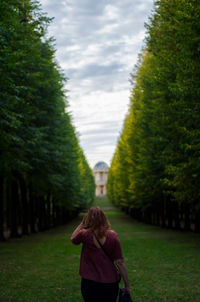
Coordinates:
x,y
79,238
117,251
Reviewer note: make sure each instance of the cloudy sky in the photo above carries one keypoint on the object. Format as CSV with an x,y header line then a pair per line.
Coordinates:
x,y
97,44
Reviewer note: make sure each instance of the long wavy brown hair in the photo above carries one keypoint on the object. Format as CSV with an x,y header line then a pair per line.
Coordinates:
x,y
96,221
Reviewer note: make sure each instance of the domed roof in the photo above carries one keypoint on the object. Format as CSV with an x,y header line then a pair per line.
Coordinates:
x,y
101,165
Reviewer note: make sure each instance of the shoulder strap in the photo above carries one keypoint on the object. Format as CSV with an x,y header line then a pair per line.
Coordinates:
x,y
115,265
103,248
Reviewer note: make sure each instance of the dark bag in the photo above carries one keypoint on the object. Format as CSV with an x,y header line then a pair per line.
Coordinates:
x,y
124,297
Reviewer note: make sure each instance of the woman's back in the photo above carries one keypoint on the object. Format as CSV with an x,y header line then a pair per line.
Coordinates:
x,y
95,264
100,279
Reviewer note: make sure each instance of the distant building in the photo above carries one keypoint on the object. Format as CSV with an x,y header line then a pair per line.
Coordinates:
x,y
100,171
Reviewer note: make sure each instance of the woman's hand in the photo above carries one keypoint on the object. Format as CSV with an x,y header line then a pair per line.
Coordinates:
x,y
79,227
127,290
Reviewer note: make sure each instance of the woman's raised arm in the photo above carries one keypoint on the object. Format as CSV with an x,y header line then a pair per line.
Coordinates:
x,y
76,231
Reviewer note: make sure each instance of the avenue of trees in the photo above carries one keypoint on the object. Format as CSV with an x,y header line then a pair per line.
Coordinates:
x,y
45,178
155,171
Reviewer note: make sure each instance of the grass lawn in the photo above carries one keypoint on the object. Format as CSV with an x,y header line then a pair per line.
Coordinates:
x,y
163,265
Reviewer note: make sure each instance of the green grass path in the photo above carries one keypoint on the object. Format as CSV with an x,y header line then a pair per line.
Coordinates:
x,y
163,265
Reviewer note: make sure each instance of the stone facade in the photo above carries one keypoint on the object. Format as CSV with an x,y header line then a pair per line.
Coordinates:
x,y
101,174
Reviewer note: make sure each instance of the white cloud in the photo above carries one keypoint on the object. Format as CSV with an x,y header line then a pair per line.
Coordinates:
x,y
97,47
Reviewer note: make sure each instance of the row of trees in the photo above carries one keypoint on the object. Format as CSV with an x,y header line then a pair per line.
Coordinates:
x,y
155,171
44,176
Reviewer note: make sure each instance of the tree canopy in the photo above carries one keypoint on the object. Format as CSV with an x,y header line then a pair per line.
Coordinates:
x,y
155,170
45,177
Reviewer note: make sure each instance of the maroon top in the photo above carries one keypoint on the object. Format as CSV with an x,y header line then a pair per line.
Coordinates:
x,y
95,264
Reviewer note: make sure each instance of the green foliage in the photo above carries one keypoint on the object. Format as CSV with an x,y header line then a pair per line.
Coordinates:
x,y
157,157
38,141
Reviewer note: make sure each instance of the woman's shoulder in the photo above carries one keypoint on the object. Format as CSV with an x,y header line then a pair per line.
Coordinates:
x,y
112,233
112,238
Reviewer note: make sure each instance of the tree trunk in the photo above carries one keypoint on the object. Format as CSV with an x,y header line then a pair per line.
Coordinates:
x,y
8,221
162,214
197,222
48,211
14,207
169,210
32,209
187,217
36,210
41,214
25,214
53,212
2,238
176,220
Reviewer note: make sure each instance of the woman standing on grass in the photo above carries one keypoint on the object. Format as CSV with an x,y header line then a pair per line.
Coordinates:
x,y
100,279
